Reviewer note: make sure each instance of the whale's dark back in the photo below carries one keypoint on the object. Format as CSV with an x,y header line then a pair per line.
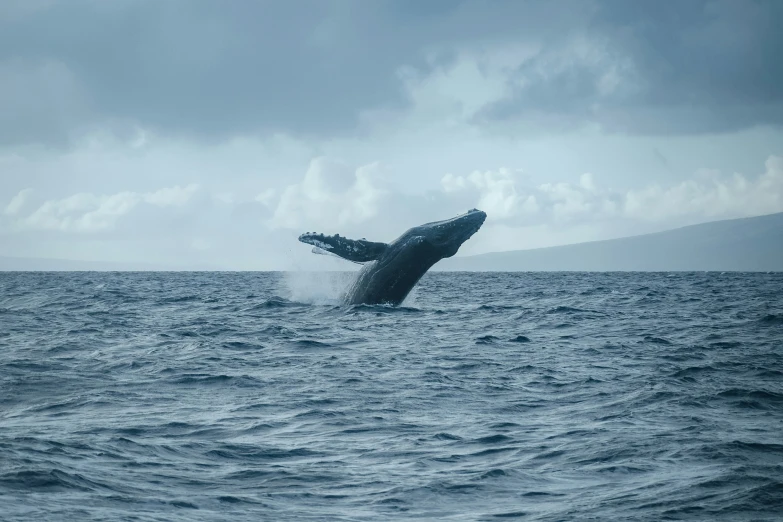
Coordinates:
x,y
390,279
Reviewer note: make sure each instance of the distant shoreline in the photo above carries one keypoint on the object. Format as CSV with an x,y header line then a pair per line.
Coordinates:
x,y
753,244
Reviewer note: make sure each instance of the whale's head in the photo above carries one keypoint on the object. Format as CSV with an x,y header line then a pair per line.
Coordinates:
x,y
448,235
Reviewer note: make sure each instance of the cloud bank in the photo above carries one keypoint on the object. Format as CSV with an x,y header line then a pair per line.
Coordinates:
x,y
317,68
335,197
85,212
505,196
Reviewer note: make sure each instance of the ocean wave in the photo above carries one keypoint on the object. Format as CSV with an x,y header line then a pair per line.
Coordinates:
x,y
546,396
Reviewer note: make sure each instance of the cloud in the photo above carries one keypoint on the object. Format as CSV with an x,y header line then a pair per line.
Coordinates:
x,y
566,84
685,67
172,196
464,85
330,194
18,201
315,68
711,197
498,192
266,197
505,196
41,102
193,68
86,212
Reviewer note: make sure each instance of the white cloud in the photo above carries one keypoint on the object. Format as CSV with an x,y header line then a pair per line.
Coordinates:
x,y
82,212
711,196
172,196
471,82
504,196
18,201
87,212
586,181
266,197
568,200
331,194
498,195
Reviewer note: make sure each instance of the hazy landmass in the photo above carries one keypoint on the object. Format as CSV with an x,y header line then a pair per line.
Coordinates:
x,y
748,244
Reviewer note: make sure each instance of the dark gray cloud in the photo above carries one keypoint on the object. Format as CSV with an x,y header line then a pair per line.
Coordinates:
x,y
691,66
203,67
216,69
210,68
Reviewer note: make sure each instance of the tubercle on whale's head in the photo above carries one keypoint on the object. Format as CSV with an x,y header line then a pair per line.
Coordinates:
x,y
308,235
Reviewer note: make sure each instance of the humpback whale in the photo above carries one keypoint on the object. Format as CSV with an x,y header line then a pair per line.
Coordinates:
x,y
391,270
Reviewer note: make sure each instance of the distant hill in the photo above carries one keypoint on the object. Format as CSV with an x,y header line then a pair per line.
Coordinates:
x,y
747,244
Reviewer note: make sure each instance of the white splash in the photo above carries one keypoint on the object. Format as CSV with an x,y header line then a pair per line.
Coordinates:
x,y
412,299
321,288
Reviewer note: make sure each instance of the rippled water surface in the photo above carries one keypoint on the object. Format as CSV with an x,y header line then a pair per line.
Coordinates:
x,y
256,396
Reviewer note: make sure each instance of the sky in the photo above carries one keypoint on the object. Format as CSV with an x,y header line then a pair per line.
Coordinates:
x,y
205,134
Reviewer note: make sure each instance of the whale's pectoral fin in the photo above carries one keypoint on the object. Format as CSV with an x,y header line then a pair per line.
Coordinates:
x,y
358,250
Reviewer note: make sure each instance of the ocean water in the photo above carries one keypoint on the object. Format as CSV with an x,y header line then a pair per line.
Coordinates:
x,y
257,396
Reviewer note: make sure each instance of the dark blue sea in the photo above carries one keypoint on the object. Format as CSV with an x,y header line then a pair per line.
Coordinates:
x,y
257,396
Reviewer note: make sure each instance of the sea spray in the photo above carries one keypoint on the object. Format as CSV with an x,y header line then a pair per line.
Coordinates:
x,y
320,288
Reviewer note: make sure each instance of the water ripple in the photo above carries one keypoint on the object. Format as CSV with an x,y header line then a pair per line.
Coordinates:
x,y
246,396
